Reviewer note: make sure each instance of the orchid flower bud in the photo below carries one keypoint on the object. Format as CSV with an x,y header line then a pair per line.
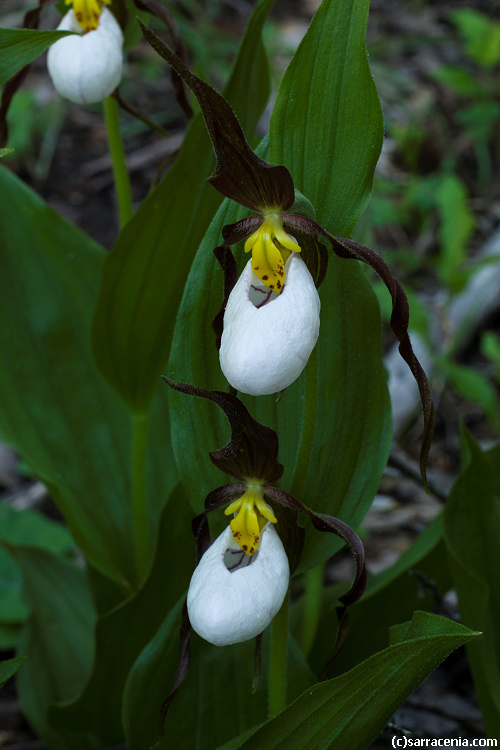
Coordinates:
x,y
268,338
87,68
233,597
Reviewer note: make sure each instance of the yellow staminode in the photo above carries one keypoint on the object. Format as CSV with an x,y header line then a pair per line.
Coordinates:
x,y
253,512
271,246
87,12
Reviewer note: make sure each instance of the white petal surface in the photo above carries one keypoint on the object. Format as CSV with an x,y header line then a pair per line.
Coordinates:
x,y
87,68
264,349
225,607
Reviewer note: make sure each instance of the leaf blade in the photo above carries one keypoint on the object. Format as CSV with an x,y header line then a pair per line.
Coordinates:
x,y
9,667
56,410
351,710
472,524
58,638
19,47
327,125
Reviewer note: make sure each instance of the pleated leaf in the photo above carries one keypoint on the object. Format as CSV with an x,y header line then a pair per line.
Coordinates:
x,y
327,126
56,410
217,677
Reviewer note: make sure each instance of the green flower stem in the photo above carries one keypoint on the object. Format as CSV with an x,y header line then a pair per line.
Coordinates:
x,y
313,580
277,661
139,505
122,182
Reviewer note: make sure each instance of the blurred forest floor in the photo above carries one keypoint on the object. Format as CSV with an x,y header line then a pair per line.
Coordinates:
x,y
436,203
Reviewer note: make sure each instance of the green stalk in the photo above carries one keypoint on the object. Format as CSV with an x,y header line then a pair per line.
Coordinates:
x,y
277,661
312,607
122,182
139,506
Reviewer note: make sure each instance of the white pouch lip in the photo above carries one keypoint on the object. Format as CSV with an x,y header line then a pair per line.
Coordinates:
x,y
87,68
264,349
230,607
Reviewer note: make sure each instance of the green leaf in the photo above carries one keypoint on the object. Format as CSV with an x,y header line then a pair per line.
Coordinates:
x,y
326,126
490,347
479,118
351,710
19,47
8,667
460,80
472,528
474,386
144,275
122,633
5,152
149,682
24,527
29,528
457,225
216,677
56,410
481,35
57,639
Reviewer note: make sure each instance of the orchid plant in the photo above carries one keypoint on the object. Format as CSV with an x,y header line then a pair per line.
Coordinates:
x,y
285,347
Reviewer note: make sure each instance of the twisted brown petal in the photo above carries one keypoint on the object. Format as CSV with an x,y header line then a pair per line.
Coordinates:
x,y
351,250
323,522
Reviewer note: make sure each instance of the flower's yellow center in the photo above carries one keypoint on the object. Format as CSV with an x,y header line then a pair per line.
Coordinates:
x,y
271,247
252,514
87,12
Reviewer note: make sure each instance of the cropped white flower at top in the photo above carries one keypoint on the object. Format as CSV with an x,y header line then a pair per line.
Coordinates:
x,y
267,337
233,597
87,68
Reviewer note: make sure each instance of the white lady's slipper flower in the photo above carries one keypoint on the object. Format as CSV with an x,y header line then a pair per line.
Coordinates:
x,y
87,68
267,337
233,597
